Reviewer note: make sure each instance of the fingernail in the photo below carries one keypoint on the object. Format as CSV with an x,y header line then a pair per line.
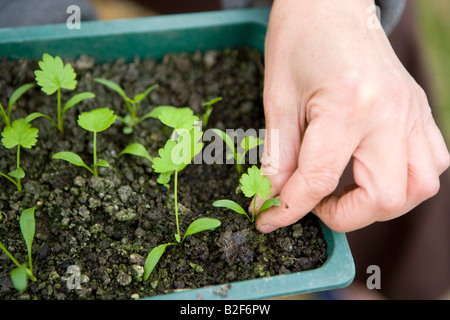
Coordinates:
x,y
267,228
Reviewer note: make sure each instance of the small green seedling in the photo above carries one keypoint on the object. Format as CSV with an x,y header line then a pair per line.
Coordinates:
x,y
21,274
94,121
174,157
253,184
52,77
132,118
6,117
19,134
179,119
208,109
248,143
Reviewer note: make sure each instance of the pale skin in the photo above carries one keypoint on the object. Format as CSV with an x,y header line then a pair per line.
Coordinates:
x,y
336,91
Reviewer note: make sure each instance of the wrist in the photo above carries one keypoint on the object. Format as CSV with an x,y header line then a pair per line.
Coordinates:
x,y
309,15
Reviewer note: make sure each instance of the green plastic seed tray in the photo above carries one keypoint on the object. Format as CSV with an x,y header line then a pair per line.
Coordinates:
x,y
153,37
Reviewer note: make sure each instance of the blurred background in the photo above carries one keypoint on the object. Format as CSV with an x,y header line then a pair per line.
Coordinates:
x,y
433,17
434,20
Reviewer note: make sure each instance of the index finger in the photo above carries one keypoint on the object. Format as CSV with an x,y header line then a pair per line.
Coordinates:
x,y
326,150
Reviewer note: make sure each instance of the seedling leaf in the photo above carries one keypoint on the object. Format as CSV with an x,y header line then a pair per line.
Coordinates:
x,y
54,74
97,120
230,205
139,97
102,163
77,99
178,118
18,93
19,133
269,203
156,112
164,179
27,226
153,258
211,102
250,142
72,158
177,155
136,149
255,183
112,85
164,162
36,115
228,140
19,278
18,173
200,225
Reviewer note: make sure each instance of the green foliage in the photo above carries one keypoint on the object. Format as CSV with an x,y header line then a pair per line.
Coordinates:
x,y
94,121
176,155
52,77
97,120
153,259
55,75
208,109
131,119
180,119
6,116
253,183
173,158
136,149
199,225
19,134
248,143
21,274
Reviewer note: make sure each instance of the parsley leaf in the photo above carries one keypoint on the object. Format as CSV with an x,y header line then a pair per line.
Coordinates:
x,y
19,133
55,75
176,118
97,120
255,183
178,154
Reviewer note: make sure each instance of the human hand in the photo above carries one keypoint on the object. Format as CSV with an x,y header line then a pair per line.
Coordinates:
x,y
335,90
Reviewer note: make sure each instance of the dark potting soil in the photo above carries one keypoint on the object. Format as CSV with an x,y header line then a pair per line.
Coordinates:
x,y
100,230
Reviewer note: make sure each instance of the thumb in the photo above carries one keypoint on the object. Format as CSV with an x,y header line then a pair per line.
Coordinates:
x,y
326,149
281,143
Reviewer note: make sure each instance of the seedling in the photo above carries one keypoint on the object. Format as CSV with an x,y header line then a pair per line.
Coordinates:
x,y
6,116
53,76
253,184
21,274
208,109
94,121
174,157
248,143
132,118
180,119
19,134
